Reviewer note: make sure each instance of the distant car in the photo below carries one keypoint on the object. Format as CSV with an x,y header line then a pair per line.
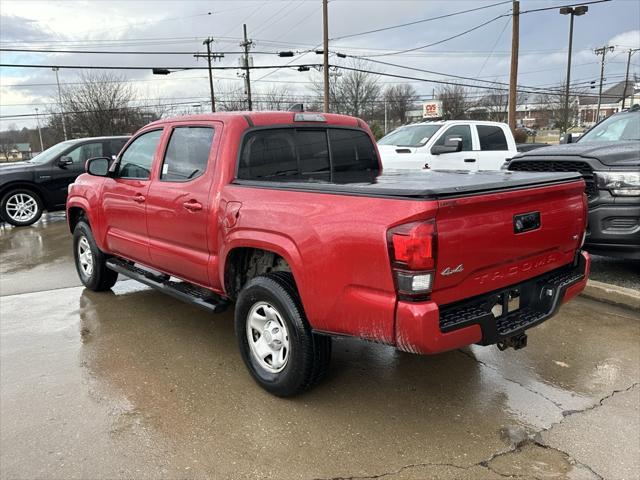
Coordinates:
x,y
28,188
529,131
448,145
608,157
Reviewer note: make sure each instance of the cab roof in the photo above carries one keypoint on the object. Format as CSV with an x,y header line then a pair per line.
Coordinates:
x,y
265,118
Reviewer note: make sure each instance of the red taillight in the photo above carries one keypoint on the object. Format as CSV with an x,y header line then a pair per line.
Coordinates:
x,y
413,245
412,252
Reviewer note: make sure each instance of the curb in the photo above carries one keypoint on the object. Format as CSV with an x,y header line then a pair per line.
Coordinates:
x,y
607,293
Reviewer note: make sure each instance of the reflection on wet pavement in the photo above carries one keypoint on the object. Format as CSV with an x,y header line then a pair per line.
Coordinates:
x,y
38,257
132,383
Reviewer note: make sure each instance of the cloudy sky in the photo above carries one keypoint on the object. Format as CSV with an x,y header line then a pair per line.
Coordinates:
x,y
296,25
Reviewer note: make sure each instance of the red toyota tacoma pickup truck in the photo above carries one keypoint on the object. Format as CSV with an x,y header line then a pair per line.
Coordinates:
x,y
290,217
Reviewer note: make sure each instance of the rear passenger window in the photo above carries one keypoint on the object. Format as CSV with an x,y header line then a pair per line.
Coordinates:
x,y
352,151
492,138
310,155
458,131
187,154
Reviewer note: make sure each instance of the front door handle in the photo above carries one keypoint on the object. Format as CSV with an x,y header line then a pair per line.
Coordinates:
x,y
469,160
192,206
139,198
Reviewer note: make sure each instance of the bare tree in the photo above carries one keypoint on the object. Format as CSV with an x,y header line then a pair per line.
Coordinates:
x,y
493,105
456,102
276,97
230,98
352,92
553,101
400,99
100,105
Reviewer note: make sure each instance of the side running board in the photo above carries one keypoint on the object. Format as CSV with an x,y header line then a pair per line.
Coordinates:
x,y
184,291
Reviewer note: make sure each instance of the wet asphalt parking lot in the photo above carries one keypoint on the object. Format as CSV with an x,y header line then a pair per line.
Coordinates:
x,y
135,384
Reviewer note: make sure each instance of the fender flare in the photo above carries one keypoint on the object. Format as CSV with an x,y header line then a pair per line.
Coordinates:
x,y
83,204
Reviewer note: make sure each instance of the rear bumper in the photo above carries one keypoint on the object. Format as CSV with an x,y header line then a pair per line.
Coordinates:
x,y
427,328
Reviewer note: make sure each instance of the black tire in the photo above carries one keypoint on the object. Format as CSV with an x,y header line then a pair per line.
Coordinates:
x,y
309,354
9,217
100,277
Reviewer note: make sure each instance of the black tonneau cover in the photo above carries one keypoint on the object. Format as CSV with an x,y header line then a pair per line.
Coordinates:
x,y
422,184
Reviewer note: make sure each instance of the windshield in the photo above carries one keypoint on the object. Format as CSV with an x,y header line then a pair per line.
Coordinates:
x,y
410,136
625,126
52,152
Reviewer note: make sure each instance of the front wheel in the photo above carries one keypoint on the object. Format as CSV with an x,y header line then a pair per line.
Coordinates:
x,y
276,342
91,262
21,207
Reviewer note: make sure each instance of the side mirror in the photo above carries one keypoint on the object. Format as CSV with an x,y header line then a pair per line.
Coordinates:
x,y
451,145
64,162
568,138
98,166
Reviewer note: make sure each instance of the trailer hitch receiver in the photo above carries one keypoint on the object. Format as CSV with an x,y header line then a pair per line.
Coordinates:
x,y
516,342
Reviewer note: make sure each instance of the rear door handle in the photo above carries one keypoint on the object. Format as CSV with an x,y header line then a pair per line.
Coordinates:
x,y
192,205
139,198
469,160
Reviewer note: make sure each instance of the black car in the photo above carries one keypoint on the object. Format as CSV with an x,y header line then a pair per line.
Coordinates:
x,y
608,157
28,188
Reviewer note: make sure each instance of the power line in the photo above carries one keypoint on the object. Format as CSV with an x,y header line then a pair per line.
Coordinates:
x,y
560,6
121,52
461,77
444,82
443,40
114,67
383,29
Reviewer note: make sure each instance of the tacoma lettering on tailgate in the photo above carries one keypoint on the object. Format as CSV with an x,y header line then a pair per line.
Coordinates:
x,y
513,270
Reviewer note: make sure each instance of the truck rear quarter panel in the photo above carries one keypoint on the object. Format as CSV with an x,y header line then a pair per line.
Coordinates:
x,y
336,247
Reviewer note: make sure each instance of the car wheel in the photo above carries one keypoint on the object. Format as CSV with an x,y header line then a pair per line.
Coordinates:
x,y
91,262
21,207
276,342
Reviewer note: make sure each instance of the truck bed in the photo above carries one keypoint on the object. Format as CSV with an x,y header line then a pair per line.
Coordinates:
x,y
420,184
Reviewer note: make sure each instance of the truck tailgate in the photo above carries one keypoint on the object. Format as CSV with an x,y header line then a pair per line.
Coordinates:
x,y
490,241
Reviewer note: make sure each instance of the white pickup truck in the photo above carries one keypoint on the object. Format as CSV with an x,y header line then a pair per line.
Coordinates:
x,y
448,145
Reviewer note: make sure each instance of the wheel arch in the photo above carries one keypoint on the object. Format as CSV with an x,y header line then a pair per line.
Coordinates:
x,y
27,185
242,263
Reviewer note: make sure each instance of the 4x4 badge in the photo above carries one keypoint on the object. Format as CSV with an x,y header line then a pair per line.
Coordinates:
x,y
450,271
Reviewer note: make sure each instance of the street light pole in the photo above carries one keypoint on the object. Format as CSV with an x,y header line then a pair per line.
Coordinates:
x,y
325,53
64,125
571,11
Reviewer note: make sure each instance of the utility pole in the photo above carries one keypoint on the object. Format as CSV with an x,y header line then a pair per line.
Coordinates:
x,y
626,79
64,125
210,56
246,44
39,131
601,51
513,75
325,52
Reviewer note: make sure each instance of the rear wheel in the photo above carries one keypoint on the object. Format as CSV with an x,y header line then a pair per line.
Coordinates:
x,y
91,262
276,342
21,207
